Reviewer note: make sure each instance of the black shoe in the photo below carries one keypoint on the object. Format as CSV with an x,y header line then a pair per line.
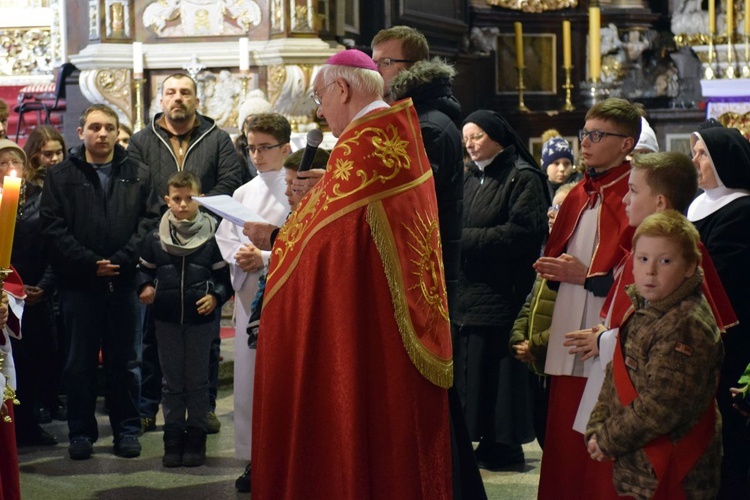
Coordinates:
x,y
60,412
194,453
243,482
44,415
214,426
80,448
148,424
174,444
36,437
128,447
499,457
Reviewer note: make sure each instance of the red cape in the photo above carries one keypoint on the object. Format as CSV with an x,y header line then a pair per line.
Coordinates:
x,y
615,234
354,348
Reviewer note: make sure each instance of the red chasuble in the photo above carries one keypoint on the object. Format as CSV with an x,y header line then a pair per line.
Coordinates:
x,y
354,353
615,234
712,289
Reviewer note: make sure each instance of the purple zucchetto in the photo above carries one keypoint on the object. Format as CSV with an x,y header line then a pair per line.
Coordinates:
x,y
353,58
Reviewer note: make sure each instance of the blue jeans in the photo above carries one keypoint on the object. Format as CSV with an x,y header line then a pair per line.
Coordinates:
x,y
112,322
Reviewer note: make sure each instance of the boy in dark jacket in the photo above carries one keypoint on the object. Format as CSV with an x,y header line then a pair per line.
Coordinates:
x,y
181,260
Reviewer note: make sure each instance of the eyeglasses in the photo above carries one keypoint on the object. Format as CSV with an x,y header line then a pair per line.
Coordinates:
x,y
474,137
317,99
251,150
387,61
553,209
11,163
596,135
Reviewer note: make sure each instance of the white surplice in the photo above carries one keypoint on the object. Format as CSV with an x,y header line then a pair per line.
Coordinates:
x,y
265,196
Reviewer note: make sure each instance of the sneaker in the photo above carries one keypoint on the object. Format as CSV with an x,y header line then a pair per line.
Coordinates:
x,y
128,447
80,448
242,484
214,425
148,424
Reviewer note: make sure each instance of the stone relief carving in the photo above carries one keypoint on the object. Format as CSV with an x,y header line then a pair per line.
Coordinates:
x,y
177,18
110,87
26,52
289,91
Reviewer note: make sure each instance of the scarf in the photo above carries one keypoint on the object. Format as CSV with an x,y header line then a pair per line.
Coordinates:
x,y
183,237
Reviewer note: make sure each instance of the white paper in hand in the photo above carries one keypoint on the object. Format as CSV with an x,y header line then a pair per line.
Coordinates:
x,y
228,208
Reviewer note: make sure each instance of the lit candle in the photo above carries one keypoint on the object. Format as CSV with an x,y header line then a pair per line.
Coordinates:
x,y
595,54
138,59
519,43
244,55
730,18
8,211
566,45
711,17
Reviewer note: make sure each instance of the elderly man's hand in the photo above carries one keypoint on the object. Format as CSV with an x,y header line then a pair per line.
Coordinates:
x,y
306,180
259,233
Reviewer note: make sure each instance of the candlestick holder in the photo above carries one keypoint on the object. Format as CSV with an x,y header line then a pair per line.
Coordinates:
x,y
593,92
708,71
568,89
731,72
746,66
245,82
521,105
138,92
6,393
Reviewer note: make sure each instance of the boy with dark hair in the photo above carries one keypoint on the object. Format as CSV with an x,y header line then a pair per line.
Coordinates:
x,y
268,136
94,253
193,282
657,416
590,237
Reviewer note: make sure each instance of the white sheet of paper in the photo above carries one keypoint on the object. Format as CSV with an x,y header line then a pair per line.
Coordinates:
x,y
227,207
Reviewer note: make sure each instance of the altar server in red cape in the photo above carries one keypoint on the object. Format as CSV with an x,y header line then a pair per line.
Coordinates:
x,y
354,353
590,237
656,416
10,312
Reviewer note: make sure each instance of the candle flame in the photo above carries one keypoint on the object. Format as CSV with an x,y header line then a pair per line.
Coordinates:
x,y
13,173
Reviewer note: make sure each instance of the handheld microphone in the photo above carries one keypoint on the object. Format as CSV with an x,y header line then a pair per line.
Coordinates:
x,y
314,138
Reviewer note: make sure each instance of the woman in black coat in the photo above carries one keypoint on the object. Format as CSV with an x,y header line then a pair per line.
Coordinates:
x,y
504,225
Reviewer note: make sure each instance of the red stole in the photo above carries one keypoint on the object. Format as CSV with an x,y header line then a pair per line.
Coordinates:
x,y
615,234
712,289
671,462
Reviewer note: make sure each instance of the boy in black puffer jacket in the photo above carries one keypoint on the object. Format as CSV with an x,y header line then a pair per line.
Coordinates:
x,y
184,276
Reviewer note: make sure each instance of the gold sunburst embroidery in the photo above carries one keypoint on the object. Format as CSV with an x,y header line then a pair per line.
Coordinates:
x,y
428,264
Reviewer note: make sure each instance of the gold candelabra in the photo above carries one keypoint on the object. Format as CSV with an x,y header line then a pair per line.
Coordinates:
x,y
138,91
746,66
708,71
521,106
568,89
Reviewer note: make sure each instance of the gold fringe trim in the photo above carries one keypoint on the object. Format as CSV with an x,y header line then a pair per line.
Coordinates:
x,y
436,370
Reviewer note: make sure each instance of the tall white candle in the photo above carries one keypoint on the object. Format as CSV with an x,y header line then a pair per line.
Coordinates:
x,y
244,55
138,59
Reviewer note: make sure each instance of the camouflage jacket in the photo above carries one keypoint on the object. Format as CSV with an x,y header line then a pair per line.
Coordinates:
x,y
673,353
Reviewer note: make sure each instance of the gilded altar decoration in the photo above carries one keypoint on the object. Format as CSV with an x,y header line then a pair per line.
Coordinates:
x,y
181,18
94,33
289,90
26,52
117,16
111,87
534,5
